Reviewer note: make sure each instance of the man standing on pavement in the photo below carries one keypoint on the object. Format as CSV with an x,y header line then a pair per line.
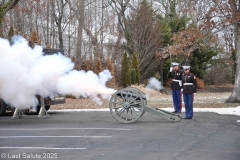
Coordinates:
x,y
189,88
176,75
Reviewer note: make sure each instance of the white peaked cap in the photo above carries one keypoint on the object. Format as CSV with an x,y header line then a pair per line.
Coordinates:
x,y
186,67
175,64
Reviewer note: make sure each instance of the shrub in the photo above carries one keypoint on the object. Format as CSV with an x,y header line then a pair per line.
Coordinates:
x,y
10,32
110,67
200,83
98,67
34,38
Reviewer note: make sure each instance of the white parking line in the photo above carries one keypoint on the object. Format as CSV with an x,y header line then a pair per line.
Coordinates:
x,y
55,136
29,129
41,148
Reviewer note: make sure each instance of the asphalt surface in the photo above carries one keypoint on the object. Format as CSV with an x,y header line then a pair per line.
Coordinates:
x,y
98,136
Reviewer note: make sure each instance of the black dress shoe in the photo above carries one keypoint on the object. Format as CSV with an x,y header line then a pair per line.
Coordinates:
x,y
189,117
174,112
185,118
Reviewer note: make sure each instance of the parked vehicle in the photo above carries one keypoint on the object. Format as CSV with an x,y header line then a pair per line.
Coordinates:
x,y
47,101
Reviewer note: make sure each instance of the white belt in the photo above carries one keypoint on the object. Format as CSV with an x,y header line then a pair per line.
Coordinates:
x,y
177,80
188,84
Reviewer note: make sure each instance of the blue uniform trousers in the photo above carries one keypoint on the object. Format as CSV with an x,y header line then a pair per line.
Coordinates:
x,y
177,100
188,101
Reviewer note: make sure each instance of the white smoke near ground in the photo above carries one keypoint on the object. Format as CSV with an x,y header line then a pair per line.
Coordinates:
x,y
26,72
153,83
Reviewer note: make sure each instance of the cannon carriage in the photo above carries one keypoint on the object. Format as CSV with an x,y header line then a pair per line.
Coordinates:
x,y
127,105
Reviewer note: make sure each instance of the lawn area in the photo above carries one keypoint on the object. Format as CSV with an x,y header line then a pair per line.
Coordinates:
x,y
203,99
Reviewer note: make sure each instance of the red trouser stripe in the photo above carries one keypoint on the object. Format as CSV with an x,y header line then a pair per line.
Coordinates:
x,y
192,102
181,101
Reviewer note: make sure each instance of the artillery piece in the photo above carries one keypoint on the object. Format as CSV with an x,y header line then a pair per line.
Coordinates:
x,y
127,105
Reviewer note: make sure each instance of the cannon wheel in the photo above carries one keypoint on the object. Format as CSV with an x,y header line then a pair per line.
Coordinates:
x,y
126,109
139,91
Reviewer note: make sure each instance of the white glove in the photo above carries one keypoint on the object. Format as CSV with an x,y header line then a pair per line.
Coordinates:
x,y
195,93
170,69
181,90
180,83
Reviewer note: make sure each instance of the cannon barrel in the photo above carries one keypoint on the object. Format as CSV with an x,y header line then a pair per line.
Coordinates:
x,y
134,95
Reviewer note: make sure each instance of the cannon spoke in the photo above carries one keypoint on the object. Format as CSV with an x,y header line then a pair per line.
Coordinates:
x,y
117,103
129,96
119,99
116,108
126,114
120,103
134,99
126,96
138,109
138,103
122,114
134,111
131,113
120,111
122,97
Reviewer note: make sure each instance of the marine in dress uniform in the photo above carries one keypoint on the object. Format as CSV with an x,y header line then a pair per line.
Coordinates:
x,y
189,88
176,75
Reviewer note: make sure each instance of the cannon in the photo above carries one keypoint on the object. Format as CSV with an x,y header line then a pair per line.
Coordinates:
x,y
127,105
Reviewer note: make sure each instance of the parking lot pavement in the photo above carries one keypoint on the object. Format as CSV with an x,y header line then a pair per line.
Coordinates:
x,y
97,135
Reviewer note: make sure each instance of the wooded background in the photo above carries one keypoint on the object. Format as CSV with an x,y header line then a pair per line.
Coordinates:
x,y
201,33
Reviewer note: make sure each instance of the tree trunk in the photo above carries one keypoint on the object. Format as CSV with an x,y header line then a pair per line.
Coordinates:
x,y
235,96
80,34
5,7
47,40
60,34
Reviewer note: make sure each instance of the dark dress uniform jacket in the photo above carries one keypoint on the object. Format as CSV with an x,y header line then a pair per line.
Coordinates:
x,y
175,75
189,78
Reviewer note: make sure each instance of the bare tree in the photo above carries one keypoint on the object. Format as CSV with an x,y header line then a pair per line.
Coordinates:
x,y
80,20
223,16
235,21
119,7
5,7
144,38
58,8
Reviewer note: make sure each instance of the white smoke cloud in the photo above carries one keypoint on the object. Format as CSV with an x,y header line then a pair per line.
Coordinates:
x,y
153,83
25,72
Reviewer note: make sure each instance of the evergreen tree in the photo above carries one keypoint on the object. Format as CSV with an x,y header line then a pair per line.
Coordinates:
x,y
135,66
125,79
169,25
175,22
200,59
10,32
133,76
